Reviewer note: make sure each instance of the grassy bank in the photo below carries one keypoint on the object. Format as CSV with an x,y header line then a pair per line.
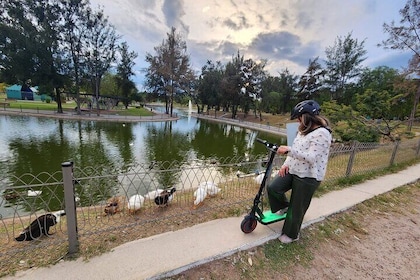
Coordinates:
x,y
70,106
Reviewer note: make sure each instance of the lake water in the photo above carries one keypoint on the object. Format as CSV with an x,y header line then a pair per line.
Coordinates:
x,y
35,145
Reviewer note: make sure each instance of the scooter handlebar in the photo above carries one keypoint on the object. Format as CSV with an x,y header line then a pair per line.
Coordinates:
x,y
269,145
261,141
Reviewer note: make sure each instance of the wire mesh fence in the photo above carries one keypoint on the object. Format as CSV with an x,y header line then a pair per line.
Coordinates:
x,y
113,207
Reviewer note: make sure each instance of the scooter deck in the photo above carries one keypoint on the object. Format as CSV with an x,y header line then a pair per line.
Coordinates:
x,y
271,217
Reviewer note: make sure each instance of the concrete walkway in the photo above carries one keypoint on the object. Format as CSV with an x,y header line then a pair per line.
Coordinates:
x,y
266,127
90,116
168,254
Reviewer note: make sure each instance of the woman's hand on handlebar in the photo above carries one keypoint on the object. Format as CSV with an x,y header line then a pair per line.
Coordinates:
x,y
283,170
283,150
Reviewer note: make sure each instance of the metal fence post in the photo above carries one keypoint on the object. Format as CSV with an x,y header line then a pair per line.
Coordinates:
x,y
418,148
394,153
351,158
70,207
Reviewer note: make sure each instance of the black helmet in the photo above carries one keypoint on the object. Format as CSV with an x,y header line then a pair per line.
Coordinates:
x,y
306,106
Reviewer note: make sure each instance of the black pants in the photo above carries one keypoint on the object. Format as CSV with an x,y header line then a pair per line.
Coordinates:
x,y
302,191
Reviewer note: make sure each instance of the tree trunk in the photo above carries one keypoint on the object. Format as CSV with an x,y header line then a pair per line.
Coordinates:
x,y
172,105
58,99
414,110
234,111
166,104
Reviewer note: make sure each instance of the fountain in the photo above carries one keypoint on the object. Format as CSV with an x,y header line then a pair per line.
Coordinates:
x,y
189,107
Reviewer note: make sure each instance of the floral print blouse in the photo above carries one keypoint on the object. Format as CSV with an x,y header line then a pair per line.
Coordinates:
x,y
308,156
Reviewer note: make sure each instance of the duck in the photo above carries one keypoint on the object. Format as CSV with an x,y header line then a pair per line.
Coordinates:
x,y
114,205
111,208
135,203
199,195
32,193
152,164
152,194
211,188
11,195
259,178
165,197
40,226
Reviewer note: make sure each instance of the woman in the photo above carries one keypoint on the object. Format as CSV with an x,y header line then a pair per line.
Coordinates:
x,y
303,170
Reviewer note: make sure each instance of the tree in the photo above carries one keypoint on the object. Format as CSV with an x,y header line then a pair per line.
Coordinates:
x,y
347,123
125,71
100,50
109,85
241,84
18,44
231,84
75,15
252,75
288,85
269,85
169,71
310,82
406,36
55,44
209,85
375,108
405,90
343,64
30,47
271,102
381,79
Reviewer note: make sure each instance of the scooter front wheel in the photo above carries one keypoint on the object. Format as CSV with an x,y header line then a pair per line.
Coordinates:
x,y
248,224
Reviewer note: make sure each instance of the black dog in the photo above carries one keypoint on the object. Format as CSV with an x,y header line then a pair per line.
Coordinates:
x,y
41,226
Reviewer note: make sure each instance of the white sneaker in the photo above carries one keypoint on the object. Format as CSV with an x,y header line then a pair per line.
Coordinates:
x,y
286,239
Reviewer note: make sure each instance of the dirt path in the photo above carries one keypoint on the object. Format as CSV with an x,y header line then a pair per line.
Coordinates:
x,y
379,239
389,250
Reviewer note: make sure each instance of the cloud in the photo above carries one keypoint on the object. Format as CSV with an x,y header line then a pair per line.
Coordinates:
x,y
173,12
237,21
286,33
284,46
304,19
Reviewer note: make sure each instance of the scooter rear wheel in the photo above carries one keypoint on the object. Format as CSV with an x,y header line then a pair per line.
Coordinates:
x,y
248,224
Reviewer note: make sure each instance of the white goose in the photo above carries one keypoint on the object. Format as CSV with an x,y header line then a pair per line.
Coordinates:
x,y
135,203
259,178
199,195
210,187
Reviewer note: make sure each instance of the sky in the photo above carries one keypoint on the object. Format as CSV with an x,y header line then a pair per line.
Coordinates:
x,y
286,33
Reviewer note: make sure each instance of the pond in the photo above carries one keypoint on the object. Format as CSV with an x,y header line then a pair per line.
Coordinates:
x,y
35,145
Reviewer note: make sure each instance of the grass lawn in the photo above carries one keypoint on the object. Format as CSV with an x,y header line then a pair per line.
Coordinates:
x,y
70,105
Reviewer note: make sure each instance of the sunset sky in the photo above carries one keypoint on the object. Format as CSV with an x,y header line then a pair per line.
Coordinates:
x,y
287,33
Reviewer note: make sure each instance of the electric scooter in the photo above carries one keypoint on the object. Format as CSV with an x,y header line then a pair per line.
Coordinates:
x,y
257,213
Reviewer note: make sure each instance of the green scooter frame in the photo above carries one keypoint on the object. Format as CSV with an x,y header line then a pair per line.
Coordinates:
x,y
249,223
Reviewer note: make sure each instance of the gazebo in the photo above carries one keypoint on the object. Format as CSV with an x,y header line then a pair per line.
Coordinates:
x,y
15,92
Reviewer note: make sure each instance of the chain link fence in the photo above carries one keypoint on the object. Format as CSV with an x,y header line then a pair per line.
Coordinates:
x,y
101,212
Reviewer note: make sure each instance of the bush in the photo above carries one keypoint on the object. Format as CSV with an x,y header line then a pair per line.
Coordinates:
x,y
361,134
